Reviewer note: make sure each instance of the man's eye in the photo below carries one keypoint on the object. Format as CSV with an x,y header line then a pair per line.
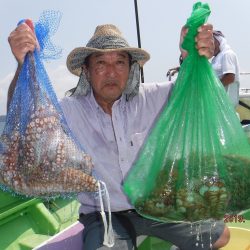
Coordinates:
x,y
121,62
100,62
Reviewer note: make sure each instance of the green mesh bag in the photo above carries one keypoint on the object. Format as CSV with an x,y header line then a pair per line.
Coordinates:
x,y
195,163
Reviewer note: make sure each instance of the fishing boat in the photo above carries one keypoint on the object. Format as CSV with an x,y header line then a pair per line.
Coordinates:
x,y
31,223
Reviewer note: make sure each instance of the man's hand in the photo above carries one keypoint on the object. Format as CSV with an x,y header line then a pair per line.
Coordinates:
x,y
22,40
204,41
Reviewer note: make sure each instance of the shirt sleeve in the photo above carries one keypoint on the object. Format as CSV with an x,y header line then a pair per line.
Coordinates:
x,y
229,63
152,98
158,93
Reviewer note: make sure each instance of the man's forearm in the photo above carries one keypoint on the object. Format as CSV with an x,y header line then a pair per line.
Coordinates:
x,y
13,86
227,79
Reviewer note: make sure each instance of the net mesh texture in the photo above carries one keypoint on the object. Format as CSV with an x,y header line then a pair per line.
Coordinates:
x,y
39,154
195,163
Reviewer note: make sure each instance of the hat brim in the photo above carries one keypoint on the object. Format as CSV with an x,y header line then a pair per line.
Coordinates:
x,y
77,56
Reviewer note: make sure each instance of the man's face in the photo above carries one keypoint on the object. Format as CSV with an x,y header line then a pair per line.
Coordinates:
x,y
216,47
108,73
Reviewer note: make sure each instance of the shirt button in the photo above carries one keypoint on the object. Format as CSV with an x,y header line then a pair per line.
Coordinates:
x,y
122,159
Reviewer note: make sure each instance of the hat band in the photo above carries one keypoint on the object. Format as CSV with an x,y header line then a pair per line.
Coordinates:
x,y
107,42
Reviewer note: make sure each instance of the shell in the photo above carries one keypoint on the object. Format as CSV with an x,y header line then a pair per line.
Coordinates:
x,y
45,161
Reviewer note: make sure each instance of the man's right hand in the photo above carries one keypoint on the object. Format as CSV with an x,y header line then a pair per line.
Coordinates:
x,y
23,40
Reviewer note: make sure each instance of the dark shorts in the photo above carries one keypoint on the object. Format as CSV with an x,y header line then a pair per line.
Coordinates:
x,y
128,225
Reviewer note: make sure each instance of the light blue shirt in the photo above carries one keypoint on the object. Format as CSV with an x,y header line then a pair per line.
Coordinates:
x,y
114,141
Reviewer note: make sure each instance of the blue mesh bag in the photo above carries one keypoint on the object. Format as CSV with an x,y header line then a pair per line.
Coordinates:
x,y
39,155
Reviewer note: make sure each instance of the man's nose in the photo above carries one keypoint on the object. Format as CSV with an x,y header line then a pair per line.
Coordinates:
x,y
110,70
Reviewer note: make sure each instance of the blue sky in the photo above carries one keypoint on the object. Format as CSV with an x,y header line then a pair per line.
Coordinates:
x,y
160,23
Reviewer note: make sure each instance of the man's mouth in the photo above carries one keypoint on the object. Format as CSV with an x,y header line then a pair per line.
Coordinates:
x,y
110,84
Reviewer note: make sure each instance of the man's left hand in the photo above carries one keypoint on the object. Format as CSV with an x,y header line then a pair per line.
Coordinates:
x,y
204,41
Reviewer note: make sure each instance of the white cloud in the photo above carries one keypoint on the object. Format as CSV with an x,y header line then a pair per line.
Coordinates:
x,y
61,79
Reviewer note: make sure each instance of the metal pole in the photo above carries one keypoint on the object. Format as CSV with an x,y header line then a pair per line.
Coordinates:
x,y
138,35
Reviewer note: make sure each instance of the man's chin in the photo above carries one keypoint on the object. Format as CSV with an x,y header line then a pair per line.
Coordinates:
x,y
112,92
113,96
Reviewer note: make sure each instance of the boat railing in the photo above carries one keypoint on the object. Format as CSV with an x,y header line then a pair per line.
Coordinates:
x,y
245,90
244,93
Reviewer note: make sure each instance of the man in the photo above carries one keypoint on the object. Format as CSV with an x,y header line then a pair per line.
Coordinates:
x,y
226,66
111,113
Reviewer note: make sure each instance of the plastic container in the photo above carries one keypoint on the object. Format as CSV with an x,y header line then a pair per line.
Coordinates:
x,y
26,223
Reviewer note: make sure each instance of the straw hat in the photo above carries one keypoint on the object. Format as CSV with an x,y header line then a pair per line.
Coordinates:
x,y
106,38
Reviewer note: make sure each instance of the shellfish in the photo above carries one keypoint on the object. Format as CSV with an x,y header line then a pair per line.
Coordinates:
x,y
45,161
